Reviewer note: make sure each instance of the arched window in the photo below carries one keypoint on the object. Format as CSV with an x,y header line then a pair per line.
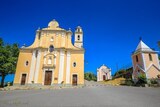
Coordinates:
x,y
78,37
136,58
74,64
78,30
36,54
39,35
150,57
51,48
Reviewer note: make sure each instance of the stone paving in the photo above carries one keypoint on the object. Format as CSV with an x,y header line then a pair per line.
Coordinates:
x,y
88,96
32,87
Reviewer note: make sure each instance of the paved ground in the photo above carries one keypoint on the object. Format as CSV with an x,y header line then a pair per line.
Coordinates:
x,y
91,96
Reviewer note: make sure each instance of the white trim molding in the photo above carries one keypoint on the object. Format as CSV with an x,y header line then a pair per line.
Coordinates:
x,y
133,63
100,78
68,67
61,67
31,73
139,68
37,66
144,62
97,75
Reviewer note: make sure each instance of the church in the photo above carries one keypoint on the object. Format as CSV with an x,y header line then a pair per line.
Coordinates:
x,y
52,59
103,73
145,61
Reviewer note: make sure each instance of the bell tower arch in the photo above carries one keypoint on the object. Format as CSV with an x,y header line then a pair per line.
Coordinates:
x,y
78,37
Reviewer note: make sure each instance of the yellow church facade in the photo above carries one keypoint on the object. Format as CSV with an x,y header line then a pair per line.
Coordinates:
x,y
52,59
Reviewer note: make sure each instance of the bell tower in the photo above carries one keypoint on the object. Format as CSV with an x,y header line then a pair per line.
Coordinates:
x,y
145,61
78,42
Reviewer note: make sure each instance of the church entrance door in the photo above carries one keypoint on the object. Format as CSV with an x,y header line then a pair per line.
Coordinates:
x,y
48,78
74,79
104,77
23,79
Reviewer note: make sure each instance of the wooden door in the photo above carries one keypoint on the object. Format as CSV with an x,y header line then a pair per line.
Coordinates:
x,y
74,79
48,78
23,79
104,77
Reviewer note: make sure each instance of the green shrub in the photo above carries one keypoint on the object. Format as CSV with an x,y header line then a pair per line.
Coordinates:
x,y
153,81
142,79
129,82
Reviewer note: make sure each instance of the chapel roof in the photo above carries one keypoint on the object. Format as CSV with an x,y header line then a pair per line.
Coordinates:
x,y
103,67
143,46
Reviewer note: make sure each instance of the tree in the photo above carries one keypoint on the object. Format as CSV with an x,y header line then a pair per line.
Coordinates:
x,y
119,73
8,59
90,76
125,73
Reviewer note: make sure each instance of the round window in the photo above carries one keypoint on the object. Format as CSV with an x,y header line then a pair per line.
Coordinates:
x,y
74,64
51,48
26,63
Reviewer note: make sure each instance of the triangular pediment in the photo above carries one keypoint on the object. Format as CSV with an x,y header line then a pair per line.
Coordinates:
x,y
152,65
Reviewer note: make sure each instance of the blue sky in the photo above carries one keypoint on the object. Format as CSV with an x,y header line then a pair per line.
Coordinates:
x,y
111,27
